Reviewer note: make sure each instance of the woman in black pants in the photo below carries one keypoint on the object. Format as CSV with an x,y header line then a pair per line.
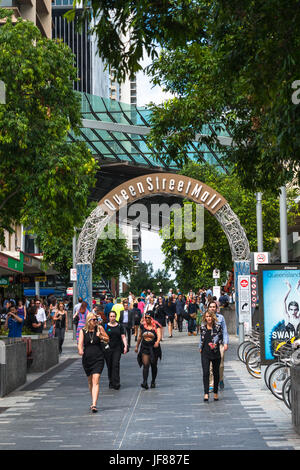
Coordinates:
x,y
150,350
210,338
117,344
60,322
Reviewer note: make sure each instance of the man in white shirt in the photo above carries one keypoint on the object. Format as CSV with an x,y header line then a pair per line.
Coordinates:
x,y
40,314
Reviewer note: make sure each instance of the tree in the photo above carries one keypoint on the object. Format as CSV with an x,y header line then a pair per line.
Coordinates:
x,y
44,178
112,257
238,64
143,277
215,252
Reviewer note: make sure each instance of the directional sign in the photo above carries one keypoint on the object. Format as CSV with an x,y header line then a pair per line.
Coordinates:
x,y
244,292
73,275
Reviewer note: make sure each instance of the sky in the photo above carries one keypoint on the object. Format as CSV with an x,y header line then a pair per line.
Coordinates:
x,y
146,93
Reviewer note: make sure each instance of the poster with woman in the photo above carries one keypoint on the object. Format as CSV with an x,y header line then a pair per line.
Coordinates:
x,y
279,287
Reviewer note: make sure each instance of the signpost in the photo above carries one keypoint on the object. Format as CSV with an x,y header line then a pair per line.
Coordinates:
x,y
260,257
244,292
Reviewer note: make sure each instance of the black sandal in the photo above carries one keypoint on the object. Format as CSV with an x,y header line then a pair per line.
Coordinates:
x,y
94,409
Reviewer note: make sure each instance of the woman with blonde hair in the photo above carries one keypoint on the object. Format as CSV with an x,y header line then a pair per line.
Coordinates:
x,y
211,335
92,338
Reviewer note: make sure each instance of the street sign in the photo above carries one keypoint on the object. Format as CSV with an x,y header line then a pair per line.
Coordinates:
x,y
40,278
260,258
70,291
254,291
73,275
216,274
217,291
244,292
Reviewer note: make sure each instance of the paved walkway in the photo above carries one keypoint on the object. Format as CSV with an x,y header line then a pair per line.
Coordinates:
x,y
51,411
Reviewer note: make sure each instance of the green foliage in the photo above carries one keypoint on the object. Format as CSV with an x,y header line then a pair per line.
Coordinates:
x,y
216,251
146,23
232,62
112,258
143,277
44,180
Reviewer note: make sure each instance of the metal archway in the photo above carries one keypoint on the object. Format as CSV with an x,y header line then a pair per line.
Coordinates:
x,y
145,186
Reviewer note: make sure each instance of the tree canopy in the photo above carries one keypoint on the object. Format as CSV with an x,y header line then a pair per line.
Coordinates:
x,y
234,62
215,252
44,178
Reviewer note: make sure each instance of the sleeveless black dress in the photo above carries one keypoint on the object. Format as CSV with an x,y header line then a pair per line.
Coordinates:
x,y
93,357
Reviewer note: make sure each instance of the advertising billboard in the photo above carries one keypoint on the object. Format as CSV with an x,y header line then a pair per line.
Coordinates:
x,y
279,313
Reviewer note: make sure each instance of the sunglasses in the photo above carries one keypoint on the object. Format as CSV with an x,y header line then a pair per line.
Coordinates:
x,y
93,319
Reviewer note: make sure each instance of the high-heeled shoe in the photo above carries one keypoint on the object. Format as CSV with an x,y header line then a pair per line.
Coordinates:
x,y
145,385
216,398
205,398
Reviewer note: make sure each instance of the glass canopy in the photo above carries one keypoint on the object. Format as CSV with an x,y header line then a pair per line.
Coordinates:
x,y
116,133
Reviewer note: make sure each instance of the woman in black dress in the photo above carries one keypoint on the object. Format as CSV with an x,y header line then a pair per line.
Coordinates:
x,y
150,350
90,347
117,345
211,336
170,310
60,322
159,315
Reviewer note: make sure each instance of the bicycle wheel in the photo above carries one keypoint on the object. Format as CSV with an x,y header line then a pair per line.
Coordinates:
x,y
243,347
253,363
277,378
268,371
286,392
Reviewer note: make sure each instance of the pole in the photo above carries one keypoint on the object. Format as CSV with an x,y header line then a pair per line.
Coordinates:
x,y
37,283
74,241
259,223
283,226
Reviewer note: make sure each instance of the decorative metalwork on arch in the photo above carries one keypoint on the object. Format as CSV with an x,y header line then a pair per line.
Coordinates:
x,y
165,184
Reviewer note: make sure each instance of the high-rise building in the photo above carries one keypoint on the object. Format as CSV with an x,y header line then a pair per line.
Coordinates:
x,y
37,11
91,72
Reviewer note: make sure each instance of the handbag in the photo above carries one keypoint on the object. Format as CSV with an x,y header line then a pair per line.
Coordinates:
x,y
193,316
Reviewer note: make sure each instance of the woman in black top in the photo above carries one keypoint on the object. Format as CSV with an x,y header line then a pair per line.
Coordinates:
x,y
90,341
150,350
211,336
159,315
117,345
171,312
60,322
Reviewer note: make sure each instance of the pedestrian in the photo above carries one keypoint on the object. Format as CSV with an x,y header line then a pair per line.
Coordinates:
x,y
150,350
117,346
209,347
40,314
91,338
117,308
21,309
82,315
150,306
212,307
61,324
127,321
171,312
200,312
108,306
160,315
14,322
33,324
180,303
137,315
192,312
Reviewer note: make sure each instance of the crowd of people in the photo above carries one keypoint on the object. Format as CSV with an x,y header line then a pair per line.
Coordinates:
x,y
37,315
105,333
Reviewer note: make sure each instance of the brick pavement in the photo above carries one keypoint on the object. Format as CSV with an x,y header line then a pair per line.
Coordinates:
x,y
52,410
